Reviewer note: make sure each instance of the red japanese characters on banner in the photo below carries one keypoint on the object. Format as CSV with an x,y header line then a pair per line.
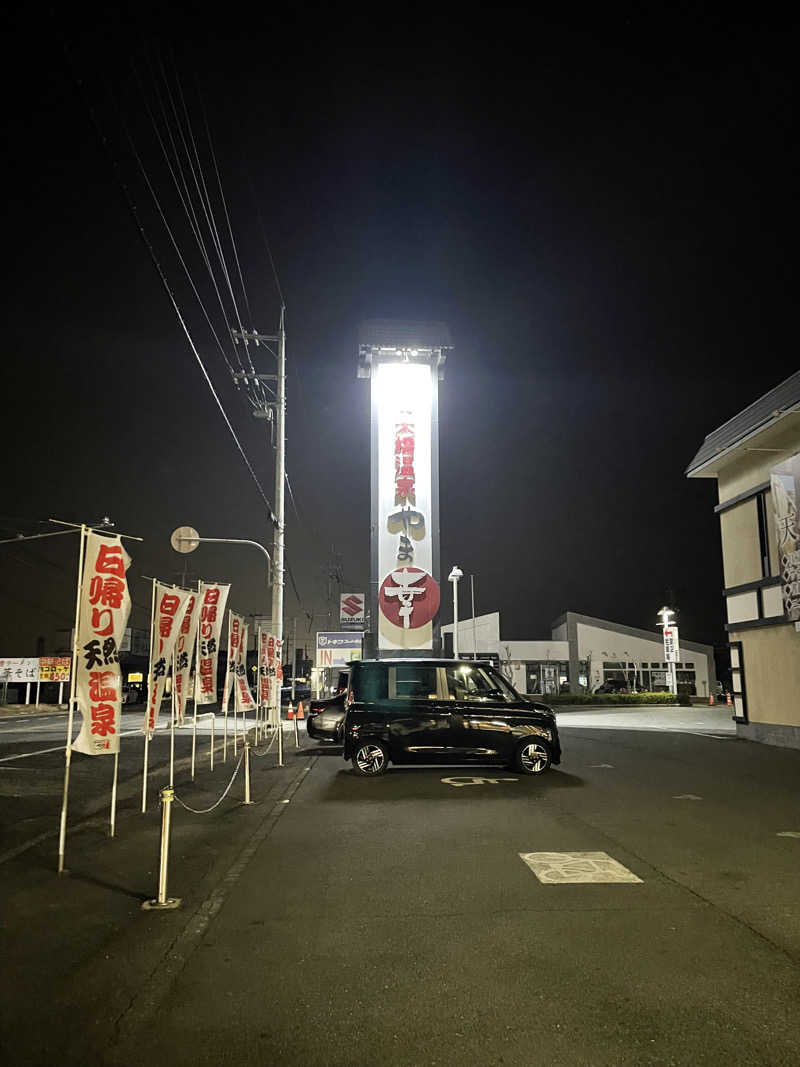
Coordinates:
x,y
235,626
243,697
270,669
404,463
184,647
263,667
212,600
170,608
408,603
104,608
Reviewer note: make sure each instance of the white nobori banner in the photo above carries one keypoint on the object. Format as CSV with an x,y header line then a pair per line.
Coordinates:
x,y
244,698
168,613
104,608
213,597
235,627
184,647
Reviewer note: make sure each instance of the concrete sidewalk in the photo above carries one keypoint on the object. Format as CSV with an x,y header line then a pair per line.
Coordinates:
x,y
699,719
80,946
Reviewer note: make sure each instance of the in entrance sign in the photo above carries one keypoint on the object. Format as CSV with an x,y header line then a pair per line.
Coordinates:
x,y
185,539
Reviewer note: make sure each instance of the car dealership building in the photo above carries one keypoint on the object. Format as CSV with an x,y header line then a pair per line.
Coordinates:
x,y
582,652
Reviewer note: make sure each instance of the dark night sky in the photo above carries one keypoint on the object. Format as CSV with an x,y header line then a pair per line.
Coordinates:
x,y
600,212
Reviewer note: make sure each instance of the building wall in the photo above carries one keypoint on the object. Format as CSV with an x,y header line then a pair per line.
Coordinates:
x,y
770,650
609,645
487,630
771,656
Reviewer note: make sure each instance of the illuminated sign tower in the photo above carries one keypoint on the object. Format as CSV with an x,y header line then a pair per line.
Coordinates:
x,y
405,363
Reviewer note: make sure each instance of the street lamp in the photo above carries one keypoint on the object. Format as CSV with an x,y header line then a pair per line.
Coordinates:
x,y
186,539
453,577
664,614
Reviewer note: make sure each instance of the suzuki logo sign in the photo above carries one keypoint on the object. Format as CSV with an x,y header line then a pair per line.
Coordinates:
x,y
351,610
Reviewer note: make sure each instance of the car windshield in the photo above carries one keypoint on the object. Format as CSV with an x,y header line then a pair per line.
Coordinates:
x,y
469,682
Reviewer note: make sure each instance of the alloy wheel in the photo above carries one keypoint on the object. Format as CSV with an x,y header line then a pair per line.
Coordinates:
x,y
534,757
370,759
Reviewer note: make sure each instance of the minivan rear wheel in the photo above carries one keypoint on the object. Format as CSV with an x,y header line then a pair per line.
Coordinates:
x,y
370,759
533,756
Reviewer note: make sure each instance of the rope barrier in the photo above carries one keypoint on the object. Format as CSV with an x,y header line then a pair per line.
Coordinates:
x,y
205,811
268,749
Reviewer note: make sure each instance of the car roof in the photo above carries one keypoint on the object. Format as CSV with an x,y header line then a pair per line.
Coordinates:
x,y
421,661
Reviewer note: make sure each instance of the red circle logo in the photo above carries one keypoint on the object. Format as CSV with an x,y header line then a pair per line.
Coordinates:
x,y
408,597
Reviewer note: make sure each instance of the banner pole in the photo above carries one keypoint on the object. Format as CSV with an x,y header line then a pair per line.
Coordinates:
x,y
144,772
149,685
62,833
173,709
196,674
259,709
114,795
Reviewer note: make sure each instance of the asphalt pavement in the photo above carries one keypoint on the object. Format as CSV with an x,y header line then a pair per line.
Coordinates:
x,y
349,921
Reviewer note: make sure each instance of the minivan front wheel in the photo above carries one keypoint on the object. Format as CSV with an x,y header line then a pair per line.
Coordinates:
x,y
533,756
370,759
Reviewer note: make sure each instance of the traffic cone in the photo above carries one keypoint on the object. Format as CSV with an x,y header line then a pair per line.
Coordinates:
x,y
711,700
300,713
730,702
291,712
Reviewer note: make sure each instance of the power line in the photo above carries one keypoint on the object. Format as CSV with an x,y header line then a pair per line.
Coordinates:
x,y
185,199
131,203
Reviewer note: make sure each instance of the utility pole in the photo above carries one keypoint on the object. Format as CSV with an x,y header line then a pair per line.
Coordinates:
x,y
280,481
265,411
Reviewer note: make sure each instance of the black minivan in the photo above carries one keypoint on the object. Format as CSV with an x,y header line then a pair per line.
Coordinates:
x,y
443,711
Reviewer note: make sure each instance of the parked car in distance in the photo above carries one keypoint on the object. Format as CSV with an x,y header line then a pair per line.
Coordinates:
x,y
612,685
326,716
443,711
302,691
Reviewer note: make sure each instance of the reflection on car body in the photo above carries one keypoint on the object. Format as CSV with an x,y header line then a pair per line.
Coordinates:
x,y
424,711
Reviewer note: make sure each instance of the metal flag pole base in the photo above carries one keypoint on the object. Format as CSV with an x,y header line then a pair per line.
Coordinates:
x,y
296,734
247,799
162,901
280,743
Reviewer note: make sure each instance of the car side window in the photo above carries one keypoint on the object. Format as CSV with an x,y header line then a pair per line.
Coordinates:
x,y
410,682
472,684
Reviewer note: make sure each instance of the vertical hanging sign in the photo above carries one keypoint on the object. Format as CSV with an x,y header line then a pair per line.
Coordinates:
x,y
408,597
170,608
212,611
104,608
184,647
785,485
235,623
243,697
264,680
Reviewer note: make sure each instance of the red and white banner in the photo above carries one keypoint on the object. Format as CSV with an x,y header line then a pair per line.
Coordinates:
x,y
212,611
244,698
270,669
170,608
183,653
276,667
104,608
408,600
263,668
235,625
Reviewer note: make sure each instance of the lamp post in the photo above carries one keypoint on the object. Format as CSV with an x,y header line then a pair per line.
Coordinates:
x,y
453,577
